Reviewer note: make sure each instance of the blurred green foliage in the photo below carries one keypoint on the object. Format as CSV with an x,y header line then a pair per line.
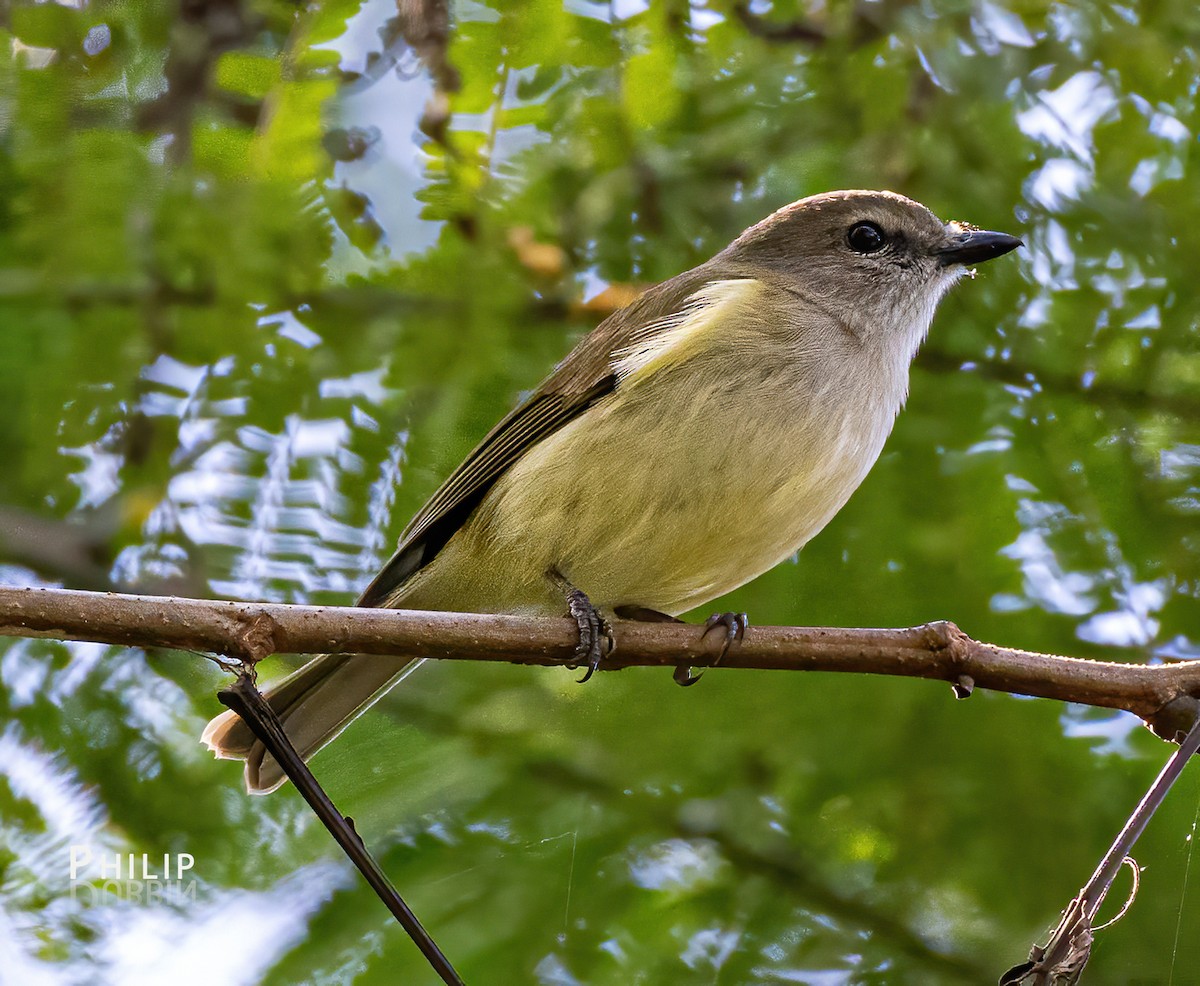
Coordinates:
x,y
268,271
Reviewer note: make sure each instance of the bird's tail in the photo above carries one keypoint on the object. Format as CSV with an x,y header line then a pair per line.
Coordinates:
x,y
314,704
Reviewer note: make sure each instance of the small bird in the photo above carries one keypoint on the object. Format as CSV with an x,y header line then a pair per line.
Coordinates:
x,y
693,440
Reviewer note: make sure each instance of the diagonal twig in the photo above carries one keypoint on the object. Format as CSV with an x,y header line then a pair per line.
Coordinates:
x,y
1062,958
247,701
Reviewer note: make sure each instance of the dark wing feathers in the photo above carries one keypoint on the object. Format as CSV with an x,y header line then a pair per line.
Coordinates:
x,y
448,508
578,382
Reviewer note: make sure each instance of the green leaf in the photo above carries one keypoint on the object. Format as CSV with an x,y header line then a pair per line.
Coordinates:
x,y
48,25
250,75
649,93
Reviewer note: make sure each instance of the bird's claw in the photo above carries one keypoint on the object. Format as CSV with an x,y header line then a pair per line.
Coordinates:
x,y
735,625
594,630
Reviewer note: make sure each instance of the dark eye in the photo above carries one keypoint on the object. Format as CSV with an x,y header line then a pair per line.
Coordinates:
x,y
865,238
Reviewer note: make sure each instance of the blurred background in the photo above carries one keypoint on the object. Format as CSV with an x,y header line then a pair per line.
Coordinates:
x,y
268,270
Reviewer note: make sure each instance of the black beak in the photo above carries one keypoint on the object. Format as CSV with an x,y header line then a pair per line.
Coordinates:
x,y
973,246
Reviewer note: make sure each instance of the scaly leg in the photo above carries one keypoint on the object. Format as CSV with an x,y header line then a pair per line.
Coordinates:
x,y
593,627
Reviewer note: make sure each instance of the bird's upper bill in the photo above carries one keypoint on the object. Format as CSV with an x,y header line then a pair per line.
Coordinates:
x,y
967,244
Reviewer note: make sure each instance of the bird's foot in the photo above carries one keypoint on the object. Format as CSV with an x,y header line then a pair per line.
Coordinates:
x,y
734,626
594,630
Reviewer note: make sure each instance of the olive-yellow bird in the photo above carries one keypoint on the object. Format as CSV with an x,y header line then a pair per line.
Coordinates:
x,y
689,443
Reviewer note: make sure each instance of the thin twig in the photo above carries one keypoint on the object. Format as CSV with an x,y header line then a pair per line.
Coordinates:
x,y
1094,891
1064,956
247,701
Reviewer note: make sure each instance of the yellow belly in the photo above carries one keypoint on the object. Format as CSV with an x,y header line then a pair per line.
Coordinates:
x,y
664,510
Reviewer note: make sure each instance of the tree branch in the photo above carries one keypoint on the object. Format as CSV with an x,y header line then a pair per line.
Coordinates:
x,y
1166,696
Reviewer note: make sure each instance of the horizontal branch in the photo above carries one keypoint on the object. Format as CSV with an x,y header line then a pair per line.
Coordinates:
x,y
1167,697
